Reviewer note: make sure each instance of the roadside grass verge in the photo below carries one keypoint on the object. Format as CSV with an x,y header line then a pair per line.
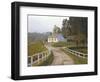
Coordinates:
x,y
59,44
79,49
76,59
48,60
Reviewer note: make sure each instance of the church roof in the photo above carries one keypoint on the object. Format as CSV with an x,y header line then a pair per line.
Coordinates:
x,y
58,36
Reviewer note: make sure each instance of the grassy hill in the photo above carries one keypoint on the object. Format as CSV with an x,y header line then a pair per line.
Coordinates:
x,y
36,47
59,44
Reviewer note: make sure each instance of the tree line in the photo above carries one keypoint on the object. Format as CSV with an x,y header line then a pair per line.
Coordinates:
x,y
75,27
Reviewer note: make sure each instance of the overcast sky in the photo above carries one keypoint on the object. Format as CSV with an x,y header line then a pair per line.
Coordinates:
x,y
44,23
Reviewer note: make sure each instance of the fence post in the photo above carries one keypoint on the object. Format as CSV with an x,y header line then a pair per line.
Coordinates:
x,y
45,55
38,59
31,60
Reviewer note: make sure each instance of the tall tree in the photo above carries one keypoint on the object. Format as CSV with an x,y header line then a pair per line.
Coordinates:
x,y
56,29
66,28
79,29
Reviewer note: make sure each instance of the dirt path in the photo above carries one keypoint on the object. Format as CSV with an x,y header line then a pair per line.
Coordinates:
x,y
60,58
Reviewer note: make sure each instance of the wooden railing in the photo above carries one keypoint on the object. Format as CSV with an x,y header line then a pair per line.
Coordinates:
x,y
38,58
79,54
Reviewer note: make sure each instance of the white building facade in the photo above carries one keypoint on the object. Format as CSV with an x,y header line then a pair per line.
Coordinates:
x,y
56,38
52,39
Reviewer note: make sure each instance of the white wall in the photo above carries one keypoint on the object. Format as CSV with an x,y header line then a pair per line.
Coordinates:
x,y
5,40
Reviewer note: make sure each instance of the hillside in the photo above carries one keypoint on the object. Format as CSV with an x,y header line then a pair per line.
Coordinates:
x,y
36,47
33,37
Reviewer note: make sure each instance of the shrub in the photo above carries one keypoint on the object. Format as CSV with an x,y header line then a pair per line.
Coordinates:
x,y
59,44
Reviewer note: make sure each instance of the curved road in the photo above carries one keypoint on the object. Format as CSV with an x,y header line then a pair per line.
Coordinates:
x,y
60,58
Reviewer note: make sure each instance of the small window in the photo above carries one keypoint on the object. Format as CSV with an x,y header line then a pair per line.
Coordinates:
x,y
55,39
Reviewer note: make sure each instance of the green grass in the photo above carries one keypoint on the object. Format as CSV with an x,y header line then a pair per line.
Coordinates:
x,y
47,62
77,60
59,44
79,49
73,44
36,48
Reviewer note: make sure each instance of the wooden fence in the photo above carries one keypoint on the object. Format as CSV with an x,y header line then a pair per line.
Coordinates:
x,y
79,54
37,58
